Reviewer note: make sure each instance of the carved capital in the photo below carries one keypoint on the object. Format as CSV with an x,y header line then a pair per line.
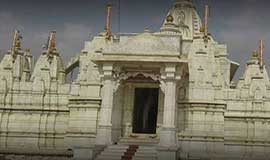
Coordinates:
x,y
172,72
118,77
121,76
107,71
162,86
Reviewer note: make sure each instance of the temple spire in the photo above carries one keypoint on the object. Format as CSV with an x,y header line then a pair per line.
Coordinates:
x,y
261,56
108,22
51,46
16,44
206,16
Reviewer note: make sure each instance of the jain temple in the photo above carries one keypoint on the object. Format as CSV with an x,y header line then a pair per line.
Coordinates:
x,y
163,95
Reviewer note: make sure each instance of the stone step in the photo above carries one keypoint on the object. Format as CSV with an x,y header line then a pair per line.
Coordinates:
x,y
112,153
147,149
118,147
108,158
146,154
114,150
128,152
139,158
139,141
102,157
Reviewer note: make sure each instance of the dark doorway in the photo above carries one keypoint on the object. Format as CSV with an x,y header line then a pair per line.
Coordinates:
x,y
145,110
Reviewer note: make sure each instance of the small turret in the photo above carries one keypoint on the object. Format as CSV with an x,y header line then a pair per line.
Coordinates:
x,y
254,70
28,55
50,48
16,45
16,64
49,66
255,78
254,59
169,26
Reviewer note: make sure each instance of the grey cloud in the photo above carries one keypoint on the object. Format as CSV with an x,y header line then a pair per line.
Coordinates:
x,y
239,24
7,26
70,38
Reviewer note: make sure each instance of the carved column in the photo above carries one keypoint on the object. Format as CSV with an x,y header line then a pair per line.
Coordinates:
x,y
104,132
168,140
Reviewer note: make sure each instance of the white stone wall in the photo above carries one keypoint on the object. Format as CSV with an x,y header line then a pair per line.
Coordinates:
x,y
212,119
31,120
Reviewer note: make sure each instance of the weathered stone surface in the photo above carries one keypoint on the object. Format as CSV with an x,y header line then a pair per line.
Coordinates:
x,y
201,112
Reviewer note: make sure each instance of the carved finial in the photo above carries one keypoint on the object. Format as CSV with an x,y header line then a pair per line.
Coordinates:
x,y
146,30
169,19
255,54
108,22
206,15
180,3
52,42
27,52
50,48
16,44
261,56
254,58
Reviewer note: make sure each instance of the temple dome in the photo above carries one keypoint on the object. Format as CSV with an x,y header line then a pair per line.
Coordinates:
x,y
54,67
185,18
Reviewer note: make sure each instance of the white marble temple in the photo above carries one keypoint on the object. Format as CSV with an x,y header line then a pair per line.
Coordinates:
x,y
201,113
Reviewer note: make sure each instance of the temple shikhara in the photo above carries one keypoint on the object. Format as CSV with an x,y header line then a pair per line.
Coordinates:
x,y
155,95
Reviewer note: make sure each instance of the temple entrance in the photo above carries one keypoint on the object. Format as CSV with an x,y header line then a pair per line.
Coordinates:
x,y
145,110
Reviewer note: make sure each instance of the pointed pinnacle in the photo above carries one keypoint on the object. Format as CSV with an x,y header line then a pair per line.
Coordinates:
x,y
51,46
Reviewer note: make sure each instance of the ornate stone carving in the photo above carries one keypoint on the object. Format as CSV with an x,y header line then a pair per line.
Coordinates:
x,y
121,76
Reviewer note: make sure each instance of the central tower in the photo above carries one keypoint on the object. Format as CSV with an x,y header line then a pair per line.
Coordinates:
x,y
185,19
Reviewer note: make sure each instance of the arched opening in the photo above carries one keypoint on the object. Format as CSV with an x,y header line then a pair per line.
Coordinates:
x,y
145,110
139,109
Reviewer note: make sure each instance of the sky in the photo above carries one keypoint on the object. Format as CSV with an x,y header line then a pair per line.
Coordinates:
x,y
238,23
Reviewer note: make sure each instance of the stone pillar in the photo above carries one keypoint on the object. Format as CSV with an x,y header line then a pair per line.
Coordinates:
x,y
104,131
168,140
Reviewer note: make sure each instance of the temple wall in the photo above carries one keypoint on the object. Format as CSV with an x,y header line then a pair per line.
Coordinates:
x,y
200,129
38,121
237,127
33,121
247,122
207,132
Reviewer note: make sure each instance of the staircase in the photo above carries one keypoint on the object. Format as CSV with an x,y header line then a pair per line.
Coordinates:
x,y
128,152
145,153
